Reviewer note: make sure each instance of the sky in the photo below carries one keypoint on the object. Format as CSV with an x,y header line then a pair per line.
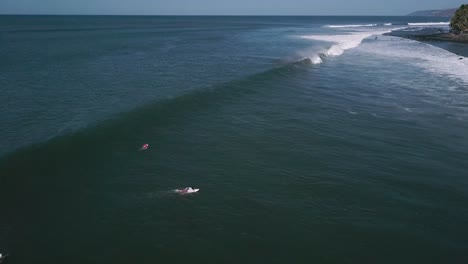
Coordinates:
x,y
223,7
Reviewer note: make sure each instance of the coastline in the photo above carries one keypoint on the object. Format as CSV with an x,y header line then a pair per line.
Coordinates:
x,y
444,37
438,37
431,35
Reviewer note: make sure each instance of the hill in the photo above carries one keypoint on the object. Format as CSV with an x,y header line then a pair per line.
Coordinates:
x,y
459,21
435,13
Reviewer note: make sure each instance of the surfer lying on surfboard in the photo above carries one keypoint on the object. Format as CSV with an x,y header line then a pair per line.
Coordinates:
x,y
186,190
144,147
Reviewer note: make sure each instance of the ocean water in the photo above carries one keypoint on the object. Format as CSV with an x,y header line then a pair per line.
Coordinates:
x,y
312,140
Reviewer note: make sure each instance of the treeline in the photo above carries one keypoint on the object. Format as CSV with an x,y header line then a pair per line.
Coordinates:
x,y
459,22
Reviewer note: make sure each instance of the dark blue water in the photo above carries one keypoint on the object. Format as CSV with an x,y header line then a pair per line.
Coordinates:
x,y
312,139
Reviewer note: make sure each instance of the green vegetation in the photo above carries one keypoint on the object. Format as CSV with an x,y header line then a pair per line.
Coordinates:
x,y
459,22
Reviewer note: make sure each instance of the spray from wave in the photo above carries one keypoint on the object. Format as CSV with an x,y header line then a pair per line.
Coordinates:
x,y
341,43
428,57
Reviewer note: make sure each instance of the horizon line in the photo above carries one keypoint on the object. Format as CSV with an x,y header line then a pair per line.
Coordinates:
x,y
186,15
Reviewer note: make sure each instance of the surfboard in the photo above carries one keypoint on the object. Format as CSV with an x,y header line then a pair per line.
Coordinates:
x,y
181,191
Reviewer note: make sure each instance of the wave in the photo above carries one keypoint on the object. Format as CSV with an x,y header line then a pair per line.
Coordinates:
x,y
430,24
65,165
101,137
431,58
342,42
399,23
416,24
351,26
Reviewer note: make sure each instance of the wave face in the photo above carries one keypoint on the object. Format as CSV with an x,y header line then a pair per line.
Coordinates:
x,y
52,88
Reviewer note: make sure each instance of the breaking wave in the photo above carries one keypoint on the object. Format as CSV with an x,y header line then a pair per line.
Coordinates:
x,y
341,43
429,24
350,26
431,58
416,24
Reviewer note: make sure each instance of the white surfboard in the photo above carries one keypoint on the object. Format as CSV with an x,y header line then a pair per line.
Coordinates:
x,y
182,191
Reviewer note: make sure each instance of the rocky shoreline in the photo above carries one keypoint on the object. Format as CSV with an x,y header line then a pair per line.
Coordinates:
x,y
439,36
462,38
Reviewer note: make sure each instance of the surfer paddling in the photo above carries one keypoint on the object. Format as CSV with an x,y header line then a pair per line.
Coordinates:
x,y
144,147
186,190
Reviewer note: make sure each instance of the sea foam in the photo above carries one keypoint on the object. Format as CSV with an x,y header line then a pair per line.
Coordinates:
x,y
429,24
341,43
428,57
350,26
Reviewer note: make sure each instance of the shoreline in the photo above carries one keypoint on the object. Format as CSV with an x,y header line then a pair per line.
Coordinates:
x,y
456,44
445,37
440,36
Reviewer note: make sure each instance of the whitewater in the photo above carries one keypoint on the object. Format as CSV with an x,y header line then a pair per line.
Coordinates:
x,y
429,57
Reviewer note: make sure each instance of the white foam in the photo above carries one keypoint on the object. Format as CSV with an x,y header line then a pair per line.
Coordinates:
x,y
411,29
350,26
341,43
316,59
428,57
430,24
388,24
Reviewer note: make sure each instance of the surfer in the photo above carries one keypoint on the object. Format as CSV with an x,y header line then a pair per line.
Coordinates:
x,y
144,147
186,190
2,257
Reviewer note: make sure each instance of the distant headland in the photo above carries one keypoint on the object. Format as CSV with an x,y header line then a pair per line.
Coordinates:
x,y
435,13
458,31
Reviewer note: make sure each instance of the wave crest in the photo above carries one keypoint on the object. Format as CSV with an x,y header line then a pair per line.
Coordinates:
x,y
350,26
430,24
341,43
